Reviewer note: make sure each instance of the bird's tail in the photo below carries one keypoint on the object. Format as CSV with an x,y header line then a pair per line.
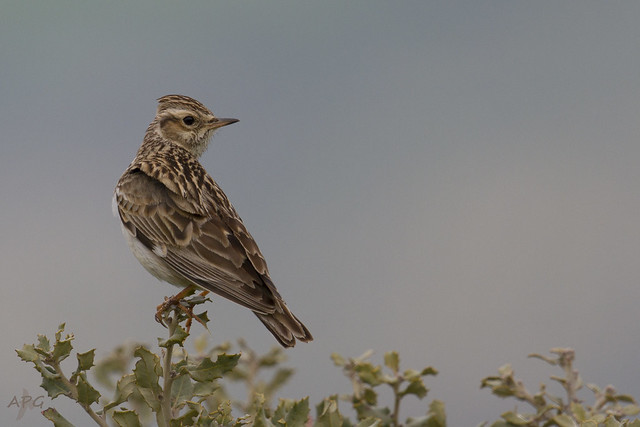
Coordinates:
x,y
285,326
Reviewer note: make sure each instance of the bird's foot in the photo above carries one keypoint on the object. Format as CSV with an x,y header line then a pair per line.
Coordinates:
x,y
180,301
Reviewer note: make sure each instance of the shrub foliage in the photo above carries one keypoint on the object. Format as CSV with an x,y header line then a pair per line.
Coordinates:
x,y
174,388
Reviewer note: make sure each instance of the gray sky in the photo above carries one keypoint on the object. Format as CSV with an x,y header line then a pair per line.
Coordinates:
x,y
457,181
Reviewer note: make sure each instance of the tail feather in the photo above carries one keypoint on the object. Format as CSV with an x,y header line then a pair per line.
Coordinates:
x,y
285,327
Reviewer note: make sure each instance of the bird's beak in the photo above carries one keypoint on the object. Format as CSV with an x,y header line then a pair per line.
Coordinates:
x,y
219,122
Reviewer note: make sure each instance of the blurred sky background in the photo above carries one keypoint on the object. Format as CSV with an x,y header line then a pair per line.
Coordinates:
x,y
455,180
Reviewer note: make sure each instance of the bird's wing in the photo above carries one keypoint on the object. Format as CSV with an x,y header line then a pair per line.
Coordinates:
x,y
213,251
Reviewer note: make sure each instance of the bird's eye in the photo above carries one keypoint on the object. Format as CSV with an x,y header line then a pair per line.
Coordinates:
x,y
188,120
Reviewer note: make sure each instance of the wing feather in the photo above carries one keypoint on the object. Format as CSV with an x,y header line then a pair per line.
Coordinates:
x,y
214,253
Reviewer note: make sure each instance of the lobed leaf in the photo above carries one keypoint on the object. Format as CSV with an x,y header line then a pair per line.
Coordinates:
x,y
43,343
369,422
205,388
415,387
54,387
181,390
178,337
208,370
188,418
124,388
54,416
328,413
564,420
28,353
147,369
338,360
126,418
299,413
61,350
85,360
86,393
368,373
513,418
392,361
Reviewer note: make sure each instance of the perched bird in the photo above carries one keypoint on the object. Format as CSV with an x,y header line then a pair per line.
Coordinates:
x,y
182,228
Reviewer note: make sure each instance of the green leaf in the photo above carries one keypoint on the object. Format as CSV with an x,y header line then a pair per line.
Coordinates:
x,y
624,398
60,331
564,421
416,388
578,411
209,371
365,411
187,419
178,337
86,393
515,418
411,374
85,360
205,388
147,370
284,406
126,419
181,390
55,387
338,360
62,349
28,353
147,373
436,414
392,361
43,343
54,416
260,419
327,413
424,421
206,370
369,374
631,410
151,398
429,370
369,422
204,319
547,359
610,422
299,413
502,391
125,387
597,418
370,396
223,414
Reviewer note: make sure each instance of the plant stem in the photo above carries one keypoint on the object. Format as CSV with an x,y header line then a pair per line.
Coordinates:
x,y
396,403
166,371
74,395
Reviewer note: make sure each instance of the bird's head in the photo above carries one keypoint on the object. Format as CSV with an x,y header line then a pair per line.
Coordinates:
x,y
186,122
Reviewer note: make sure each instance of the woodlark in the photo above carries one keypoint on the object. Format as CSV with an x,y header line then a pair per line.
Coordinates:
x,y
181,226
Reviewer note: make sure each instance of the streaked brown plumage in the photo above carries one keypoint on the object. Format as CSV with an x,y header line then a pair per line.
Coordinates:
x,y
182,228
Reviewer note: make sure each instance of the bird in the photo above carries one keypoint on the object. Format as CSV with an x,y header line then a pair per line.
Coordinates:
x,y
182,228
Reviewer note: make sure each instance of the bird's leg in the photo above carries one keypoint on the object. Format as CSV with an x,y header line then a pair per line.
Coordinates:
x,y
174,300
190,316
